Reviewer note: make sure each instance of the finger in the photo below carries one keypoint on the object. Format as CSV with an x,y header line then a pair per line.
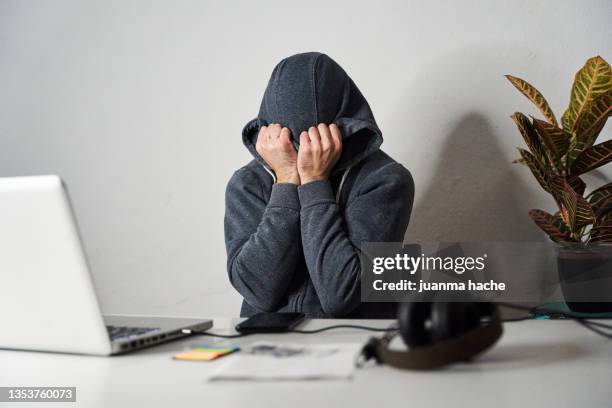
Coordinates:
x,y
285,132
326,139
262,136
275,130
315,138
336,136
304,142
285,136
262,141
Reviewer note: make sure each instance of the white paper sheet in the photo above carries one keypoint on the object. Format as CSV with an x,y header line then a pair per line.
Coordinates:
x,y
265,360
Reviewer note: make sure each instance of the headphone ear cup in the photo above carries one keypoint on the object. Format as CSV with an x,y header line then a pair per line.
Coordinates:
x,y
413,317
486,309
451,319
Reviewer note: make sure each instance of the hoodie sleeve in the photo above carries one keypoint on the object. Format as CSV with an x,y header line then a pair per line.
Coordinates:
x,y
262,239
332,240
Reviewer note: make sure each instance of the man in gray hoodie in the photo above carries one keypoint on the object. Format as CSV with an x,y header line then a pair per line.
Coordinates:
x,y
318,187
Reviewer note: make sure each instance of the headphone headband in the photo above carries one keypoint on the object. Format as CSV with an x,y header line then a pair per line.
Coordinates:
x,y
460,348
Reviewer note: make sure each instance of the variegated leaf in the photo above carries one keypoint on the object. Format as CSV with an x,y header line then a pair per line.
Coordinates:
x,y
536,168
561,220
552,226
534,96
576,147
602,231
591,80
593,118
596,196
603,208
593,157
556,185
578,208
530,136
553,137
577,184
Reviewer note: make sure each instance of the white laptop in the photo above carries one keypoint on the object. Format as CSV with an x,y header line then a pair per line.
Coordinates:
x,y
47,299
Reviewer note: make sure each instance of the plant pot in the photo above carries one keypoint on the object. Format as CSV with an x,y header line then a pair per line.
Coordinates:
x,y
585,275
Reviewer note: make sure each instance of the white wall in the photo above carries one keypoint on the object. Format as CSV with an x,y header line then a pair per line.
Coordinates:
x,y
139,106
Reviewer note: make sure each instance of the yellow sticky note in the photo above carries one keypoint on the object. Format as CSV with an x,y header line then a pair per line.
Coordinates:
x,y
203,354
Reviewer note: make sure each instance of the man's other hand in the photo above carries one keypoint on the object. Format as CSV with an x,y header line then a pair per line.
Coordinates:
x,y
319,152
275,147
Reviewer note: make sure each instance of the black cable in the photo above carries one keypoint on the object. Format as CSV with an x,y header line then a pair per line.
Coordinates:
x,y
587,323
314,331
345,326
593,327
592,323
516,319
566,315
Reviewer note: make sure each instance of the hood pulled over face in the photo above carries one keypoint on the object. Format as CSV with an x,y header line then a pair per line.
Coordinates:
x,y
311,88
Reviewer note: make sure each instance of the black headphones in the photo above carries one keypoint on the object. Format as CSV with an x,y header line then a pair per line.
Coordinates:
x,y
438,334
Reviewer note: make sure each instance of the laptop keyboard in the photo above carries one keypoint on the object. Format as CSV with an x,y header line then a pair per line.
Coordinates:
x,y
125,332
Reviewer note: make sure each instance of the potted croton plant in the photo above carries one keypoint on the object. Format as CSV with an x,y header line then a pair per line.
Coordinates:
x,y
558,155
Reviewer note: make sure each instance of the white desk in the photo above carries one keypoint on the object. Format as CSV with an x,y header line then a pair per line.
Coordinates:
x,y
536,364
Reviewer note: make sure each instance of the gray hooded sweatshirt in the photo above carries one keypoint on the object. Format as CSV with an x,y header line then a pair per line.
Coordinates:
x,y
296,248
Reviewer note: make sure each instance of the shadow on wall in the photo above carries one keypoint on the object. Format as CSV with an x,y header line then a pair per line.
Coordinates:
x,y
474,194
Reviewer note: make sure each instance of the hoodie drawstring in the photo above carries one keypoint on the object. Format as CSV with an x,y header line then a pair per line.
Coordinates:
x,y
346,172
271,173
